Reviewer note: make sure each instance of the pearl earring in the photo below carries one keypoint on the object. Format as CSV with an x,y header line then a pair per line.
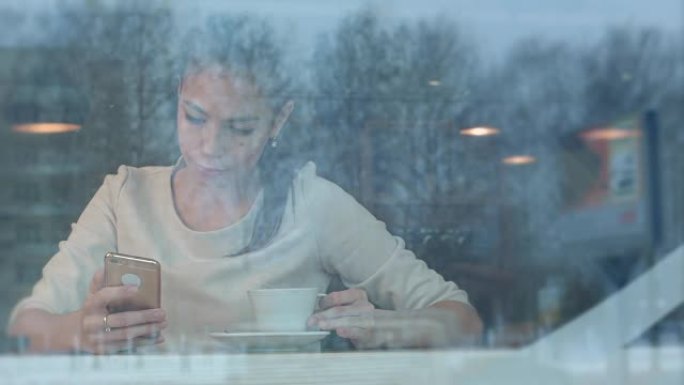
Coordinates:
x,y
274,142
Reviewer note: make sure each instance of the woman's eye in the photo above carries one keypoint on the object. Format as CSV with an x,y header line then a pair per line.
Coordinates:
x,y
194,119
240,130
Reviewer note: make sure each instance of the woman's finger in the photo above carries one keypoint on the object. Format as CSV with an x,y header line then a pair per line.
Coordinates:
x,y
97,282
132,318
364,321
372,338
342,298
353,333
343,311
102,347
130,333
94,323
104,296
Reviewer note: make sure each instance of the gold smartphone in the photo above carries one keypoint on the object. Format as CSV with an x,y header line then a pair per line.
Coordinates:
x,y
145,273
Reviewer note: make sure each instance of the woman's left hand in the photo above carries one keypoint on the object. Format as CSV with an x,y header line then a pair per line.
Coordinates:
x,y
350,314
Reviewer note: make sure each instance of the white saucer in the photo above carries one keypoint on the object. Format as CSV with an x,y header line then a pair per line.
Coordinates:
x,y
270,341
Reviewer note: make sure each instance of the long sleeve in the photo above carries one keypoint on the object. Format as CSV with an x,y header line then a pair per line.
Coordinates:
x,y
355,245
66,277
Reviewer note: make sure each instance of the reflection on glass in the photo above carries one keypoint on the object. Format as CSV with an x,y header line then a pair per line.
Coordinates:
x,y
45,128
390,103
609,134
519,160
480,131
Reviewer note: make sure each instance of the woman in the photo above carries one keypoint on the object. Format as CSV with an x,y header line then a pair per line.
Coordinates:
x,y
229,217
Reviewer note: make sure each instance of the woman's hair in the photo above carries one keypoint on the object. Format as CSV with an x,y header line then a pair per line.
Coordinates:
x,y
247,49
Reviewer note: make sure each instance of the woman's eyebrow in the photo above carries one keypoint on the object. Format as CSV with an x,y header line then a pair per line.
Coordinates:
x,y
241,119
194,107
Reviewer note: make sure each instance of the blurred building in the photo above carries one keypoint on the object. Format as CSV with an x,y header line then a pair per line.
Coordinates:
x,y
41,174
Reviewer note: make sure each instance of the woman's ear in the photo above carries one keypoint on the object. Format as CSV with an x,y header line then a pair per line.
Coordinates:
x,y
179,87
281,118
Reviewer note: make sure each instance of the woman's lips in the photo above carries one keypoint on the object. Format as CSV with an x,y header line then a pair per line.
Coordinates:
x,y
214,166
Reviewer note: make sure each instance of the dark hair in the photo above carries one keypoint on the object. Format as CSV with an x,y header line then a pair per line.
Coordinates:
x,y
246,48
276,179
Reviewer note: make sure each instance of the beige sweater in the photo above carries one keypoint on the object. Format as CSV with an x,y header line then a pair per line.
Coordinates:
x,y
324,232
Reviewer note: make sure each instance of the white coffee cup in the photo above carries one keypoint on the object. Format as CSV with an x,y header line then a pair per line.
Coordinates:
x,y
282,310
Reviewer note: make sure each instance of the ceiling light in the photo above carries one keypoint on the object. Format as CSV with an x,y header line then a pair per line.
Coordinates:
x,y
480,131
38,109
45,128
518,160
609,133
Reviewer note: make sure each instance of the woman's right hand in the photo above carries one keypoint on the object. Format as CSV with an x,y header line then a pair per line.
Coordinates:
x,y
101,332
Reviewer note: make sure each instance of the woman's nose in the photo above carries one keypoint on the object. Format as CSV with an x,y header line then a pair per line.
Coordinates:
x,y
211,139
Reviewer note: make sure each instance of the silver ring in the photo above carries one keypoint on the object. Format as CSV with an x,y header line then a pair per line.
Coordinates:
x,y
106,324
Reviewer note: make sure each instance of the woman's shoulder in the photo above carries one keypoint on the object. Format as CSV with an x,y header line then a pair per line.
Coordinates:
x,y
130,176
126,171
313,187
322,195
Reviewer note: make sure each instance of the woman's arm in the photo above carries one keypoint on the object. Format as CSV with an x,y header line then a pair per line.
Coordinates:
x,y
91,329
427,310
46,331
467,328
443,324
49,315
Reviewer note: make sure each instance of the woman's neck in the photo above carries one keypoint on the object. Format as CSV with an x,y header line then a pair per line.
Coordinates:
x,y
231,187
213,201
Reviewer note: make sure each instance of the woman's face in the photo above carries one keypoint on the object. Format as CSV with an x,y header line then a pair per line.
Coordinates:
x,y
223,124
